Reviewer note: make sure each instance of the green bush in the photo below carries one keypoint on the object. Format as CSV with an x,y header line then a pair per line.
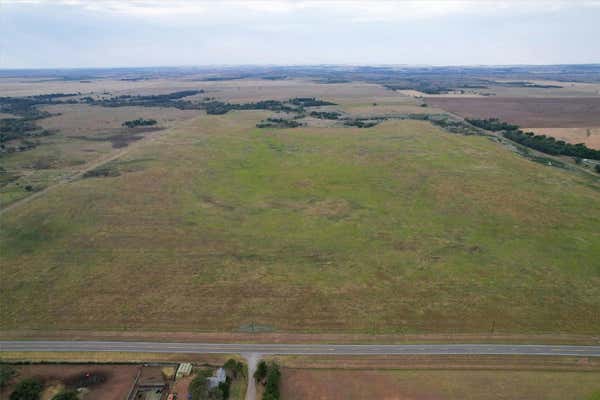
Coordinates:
x,y
261,371
6,373
27,389
272,385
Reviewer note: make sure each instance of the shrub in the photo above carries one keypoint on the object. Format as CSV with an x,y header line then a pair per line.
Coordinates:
x,y
139,122
6,373
261,371
272,386
27,389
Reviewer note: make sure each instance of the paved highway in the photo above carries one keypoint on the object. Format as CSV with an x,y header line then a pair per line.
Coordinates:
x,y
303,349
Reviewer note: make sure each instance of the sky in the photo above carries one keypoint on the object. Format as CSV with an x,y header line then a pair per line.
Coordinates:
x,y
136,33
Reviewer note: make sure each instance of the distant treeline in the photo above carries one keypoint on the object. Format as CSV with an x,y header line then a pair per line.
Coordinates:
x,y
325,114
139,122
278,123
543,143
23,127
158,100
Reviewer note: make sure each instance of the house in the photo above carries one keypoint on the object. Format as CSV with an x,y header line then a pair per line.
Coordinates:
x,y
184,369
219,377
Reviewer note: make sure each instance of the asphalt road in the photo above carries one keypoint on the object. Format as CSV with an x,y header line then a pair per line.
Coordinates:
x,y
303,349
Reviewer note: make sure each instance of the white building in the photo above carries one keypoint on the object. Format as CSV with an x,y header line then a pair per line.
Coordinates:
x,y
219,377
184,369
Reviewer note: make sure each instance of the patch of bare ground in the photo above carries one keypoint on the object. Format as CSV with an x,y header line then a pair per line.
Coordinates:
x,y
542,112
103,382
181,386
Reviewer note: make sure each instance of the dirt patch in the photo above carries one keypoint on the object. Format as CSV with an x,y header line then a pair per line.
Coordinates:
x,y
329,208
103,382
181,387
539,112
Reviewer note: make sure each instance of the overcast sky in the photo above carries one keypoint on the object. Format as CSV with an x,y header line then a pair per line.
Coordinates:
x,y
111,33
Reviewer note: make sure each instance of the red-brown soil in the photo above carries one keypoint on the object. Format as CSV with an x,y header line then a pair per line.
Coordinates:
x,y
104,382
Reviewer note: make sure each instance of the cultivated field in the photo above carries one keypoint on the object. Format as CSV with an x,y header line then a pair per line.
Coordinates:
x,y
334,384
220,226
538,112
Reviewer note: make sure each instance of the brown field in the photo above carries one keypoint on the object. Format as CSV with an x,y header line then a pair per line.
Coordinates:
x,y
437,385
84,120
589,136
117,383
538,112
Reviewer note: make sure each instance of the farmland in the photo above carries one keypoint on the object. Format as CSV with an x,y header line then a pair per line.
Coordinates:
x,y
442,385
214,225
523,111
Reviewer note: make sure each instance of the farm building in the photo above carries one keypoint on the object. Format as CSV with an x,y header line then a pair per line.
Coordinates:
x,y
185,369
219,377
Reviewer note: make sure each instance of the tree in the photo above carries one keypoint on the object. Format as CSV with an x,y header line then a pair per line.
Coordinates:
x,y
199,388
6,373
67,395
261,371
27,389
233,368
272,386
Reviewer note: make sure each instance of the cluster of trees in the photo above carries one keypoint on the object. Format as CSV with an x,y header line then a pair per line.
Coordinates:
x,y
218,107
24,127
309,102
26,106
543,143
159,100
549,145
199,389
492,124
325,114
269,376
453,126
278,123
6,371
27,389
424,87
359,123
139,122
293,105
20,128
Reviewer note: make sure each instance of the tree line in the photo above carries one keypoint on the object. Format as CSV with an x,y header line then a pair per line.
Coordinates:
x,y
543,143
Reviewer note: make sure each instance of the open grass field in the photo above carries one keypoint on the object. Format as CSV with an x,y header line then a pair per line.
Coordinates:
x,y
300,384
542,112
393,229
